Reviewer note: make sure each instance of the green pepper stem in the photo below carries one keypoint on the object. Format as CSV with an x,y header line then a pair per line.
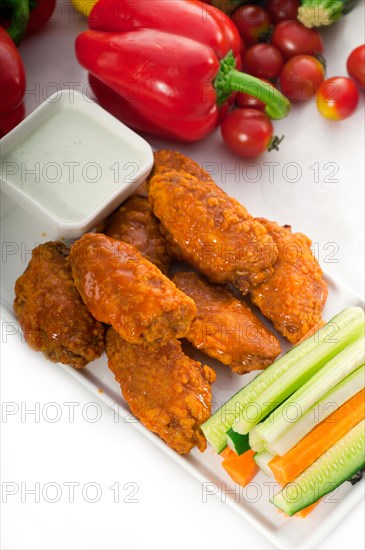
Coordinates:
x,y
229,80
19,19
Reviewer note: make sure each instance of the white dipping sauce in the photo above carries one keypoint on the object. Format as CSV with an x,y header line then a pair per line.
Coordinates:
x,y
70,165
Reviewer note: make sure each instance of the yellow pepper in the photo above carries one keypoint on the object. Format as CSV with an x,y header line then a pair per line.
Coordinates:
x,y
84,6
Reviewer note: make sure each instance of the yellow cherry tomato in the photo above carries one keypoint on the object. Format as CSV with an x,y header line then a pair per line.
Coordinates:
x,y
337,98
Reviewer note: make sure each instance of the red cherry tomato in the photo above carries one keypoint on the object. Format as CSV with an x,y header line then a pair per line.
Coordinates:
x,y
301,77
282,10
292,38
246,101
247,132
263,61
356,65
252,22
337,98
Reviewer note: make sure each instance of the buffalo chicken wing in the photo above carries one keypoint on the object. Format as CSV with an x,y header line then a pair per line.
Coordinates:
x,y
123,289
166,390
50,311
226,328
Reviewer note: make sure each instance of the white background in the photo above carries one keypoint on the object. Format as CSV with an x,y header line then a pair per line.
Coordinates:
x,y
170,512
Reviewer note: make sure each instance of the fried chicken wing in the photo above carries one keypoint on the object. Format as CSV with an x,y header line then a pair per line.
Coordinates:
x,y
135,224
165,161
166,390
315,328
123,289
211,230
50,311
294,297
142,190
226,328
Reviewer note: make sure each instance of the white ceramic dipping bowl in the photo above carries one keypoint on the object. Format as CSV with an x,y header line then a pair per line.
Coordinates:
x,y
70,163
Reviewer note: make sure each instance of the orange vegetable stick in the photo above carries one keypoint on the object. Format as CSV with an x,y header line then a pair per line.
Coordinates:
x,y
241,468
306,511
287,467
302,513
227,453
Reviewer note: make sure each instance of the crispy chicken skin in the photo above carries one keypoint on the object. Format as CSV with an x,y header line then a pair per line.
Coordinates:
x,y
315,328
165,161
166,390
123,289
294,297
135,224
211,231
50,311
142,190
225,328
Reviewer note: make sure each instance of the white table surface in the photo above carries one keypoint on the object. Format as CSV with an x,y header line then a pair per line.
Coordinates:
x,y
168,511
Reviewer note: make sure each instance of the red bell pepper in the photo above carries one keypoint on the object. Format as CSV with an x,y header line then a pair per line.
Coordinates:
x,y
25,16
9,120
12,87
40,13
173,66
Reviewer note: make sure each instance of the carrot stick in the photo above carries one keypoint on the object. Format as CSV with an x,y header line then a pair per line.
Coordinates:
x,y
302,513
241,468
306,511
287,467
227,453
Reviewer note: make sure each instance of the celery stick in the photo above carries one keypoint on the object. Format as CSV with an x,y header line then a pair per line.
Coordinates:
x,y
335,466
297,366
257,444
334,372
283,377
262,460
320,411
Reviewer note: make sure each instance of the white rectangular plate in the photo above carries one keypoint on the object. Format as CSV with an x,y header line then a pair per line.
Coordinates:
x,y
20,234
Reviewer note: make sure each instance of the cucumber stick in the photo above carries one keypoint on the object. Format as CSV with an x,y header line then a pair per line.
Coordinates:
x,y
320,411
262,460
237,442
292,410
331,469
319,13
283,377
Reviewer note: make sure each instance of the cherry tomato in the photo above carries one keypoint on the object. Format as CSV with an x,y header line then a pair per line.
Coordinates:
x,y
292,38
356,65
282,10
247,132
337,98
301,77
246,101
252,22
263,61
